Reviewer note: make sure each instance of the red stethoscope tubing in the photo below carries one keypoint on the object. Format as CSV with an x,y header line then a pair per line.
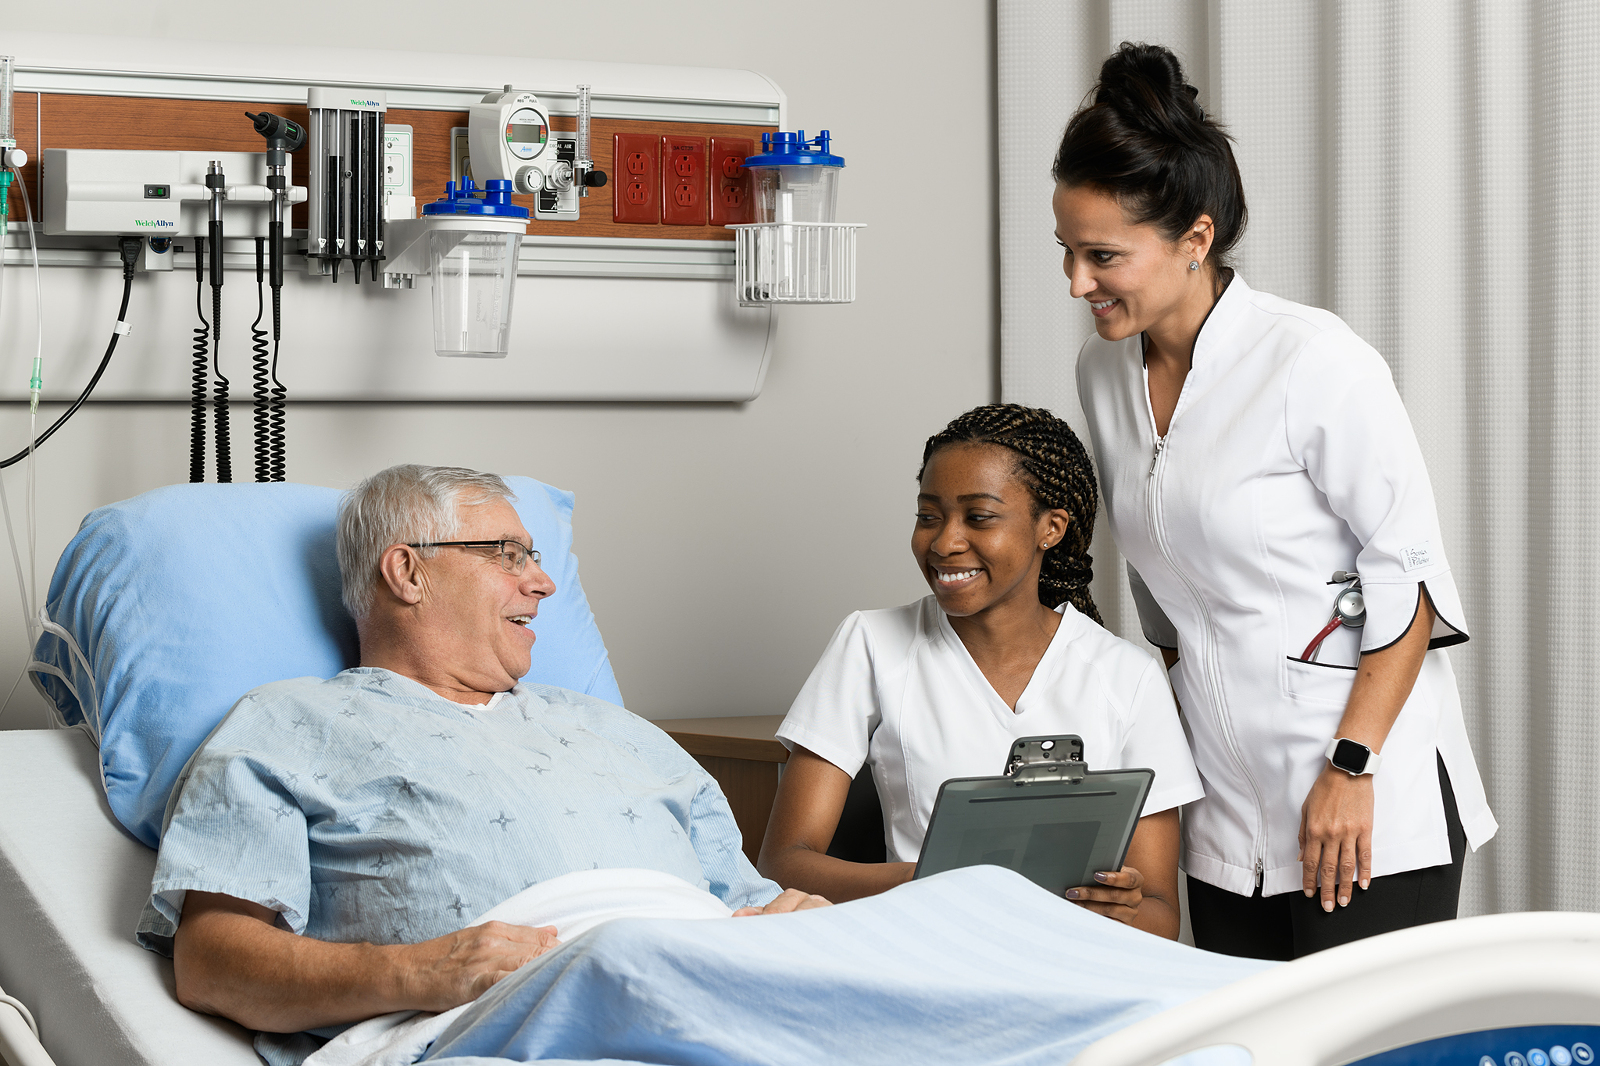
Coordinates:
x,y
1334,623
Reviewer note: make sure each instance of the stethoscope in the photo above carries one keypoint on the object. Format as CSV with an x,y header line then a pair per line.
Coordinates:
x,y
1349,609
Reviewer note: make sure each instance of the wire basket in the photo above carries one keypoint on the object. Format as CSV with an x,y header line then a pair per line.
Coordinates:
x,y
795,262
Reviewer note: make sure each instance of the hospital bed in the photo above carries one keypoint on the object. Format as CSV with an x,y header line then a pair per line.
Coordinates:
x,y
223,585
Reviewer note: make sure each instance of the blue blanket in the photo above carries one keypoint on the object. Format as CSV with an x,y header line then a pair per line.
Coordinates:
x,y
973,966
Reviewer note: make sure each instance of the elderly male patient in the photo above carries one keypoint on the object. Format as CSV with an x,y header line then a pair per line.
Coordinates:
x,y
326,846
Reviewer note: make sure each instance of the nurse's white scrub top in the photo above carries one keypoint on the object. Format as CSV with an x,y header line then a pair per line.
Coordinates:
x,y
898,689
1289,456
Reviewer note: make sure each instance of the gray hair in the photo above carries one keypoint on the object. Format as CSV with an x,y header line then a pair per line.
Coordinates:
x,y
407,504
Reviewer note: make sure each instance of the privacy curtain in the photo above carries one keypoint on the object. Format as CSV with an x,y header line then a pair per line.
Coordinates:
x,y
1429,171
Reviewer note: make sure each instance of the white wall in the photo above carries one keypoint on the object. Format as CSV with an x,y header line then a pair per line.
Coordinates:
x,y
720,543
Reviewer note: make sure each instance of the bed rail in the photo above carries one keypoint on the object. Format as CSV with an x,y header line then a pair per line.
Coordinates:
x,y
1344,1004
19,1035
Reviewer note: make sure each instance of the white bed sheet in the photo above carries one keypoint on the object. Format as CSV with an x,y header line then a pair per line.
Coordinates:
x,y
72,884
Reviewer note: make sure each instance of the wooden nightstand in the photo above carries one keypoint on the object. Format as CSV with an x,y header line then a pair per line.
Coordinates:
x,y
745,758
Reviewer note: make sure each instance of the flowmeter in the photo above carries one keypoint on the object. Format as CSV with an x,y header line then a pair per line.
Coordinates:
x,y
509,138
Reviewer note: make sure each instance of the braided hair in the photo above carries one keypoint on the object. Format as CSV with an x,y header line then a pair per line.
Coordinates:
x,y
1052,462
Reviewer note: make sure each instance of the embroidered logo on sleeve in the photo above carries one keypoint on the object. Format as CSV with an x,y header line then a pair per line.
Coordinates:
x,y
1417,556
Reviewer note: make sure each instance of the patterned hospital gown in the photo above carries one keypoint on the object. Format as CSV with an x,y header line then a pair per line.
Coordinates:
x,y
366,807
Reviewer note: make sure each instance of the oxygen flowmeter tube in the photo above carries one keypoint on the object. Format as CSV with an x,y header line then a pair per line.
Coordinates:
x,y
8,138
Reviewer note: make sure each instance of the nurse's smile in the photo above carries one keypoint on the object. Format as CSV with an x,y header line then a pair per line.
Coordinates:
x,y
978,538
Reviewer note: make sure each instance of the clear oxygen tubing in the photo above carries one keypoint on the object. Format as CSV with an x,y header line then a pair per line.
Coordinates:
x,y
27,586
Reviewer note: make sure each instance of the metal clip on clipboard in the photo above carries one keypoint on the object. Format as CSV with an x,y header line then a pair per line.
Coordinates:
x,y
1057,758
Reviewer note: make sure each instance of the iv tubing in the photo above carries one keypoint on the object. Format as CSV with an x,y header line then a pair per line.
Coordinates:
x,y
130,255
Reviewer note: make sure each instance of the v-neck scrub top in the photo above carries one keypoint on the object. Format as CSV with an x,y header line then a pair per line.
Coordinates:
x,y
898,689
1289,456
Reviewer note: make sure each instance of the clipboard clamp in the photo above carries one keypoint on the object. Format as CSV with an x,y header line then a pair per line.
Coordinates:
x,y
1036,759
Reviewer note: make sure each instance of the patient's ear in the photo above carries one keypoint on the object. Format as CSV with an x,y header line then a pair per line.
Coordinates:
x,y
401,569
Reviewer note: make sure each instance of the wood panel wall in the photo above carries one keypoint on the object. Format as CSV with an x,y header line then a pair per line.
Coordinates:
x,y
66,121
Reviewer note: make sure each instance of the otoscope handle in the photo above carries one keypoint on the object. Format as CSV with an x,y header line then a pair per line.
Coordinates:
x,y
216,254
276,258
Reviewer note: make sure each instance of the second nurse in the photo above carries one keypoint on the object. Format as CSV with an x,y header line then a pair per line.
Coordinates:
x,y
1256,463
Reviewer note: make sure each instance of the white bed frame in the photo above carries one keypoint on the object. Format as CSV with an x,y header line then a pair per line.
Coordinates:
x,y
1329,1009
1339,1006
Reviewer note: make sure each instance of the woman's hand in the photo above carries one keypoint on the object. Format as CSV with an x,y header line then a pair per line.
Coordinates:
x,y
1336,835
1115,895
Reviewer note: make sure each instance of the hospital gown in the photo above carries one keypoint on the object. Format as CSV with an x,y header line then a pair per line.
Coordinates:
x,y
366,807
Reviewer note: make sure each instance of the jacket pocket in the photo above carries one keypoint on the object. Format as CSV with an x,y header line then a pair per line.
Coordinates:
x,y
1322,683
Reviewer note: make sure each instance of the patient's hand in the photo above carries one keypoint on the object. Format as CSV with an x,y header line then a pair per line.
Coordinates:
x,y
459,967
1115,895
791,899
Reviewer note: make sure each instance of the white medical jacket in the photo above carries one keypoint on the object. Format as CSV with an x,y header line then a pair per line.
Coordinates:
x,y
1289,456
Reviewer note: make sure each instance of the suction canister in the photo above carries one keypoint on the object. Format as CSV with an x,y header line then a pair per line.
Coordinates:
x,y
795,252
473,243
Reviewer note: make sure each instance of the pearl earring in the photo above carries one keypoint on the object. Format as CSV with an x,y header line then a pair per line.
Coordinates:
x,y
1194,264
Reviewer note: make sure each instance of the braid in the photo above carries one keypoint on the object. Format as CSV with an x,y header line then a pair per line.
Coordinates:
x,y
1052,462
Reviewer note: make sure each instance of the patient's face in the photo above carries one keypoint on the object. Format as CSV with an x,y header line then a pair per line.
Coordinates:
x,y
475,609
976,537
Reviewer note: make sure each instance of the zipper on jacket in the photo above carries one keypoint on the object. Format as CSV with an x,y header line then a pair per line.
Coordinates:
x,y
1152,495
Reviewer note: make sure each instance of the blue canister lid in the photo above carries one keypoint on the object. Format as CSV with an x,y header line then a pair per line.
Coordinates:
x,y
466,201
793,150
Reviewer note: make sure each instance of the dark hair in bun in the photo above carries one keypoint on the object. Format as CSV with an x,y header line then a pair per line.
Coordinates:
x,y
1146,140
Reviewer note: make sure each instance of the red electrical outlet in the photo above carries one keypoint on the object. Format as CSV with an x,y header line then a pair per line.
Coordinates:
x,y
683,181
636,177
732,186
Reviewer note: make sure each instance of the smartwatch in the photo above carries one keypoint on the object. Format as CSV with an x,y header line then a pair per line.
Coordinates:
x,y
1353,757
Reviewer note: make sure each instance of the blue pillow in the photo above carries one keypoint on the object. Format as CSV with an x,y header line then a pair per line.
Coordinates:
x,y
185,598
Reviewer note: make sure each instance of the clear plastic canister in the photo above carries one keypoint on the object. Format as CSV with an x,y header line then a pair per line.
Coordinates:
x,y
796,193
473,275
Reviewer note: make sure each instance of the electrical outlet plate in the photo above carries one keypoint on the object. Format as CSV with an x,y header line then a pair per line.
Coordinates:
x,y
636,177
397,160
398,201
732,186
683,181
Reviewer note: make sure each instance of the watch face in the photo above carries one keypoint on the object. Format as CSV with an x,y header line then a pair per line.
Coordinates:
x,y
1350,757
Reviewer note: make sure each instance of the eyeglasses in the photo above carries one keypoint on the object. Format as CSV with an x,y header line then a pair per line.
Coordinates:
x,y
514,555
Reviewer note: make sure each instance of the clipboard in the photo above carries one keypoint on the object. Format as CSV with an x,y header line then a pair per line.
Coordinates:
x,y
1047,816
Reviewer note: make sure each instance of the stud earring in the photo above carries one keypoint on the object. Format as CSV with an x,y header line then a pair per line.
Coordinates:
x,y
1194,264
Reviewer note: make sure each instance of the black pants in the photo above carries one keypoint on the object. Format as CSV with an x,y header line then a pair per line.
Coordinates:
x,y
1288,925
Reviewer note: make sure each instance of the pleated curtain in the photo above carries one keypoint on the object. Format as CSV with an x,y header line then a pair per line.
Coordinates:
x,y
1430,172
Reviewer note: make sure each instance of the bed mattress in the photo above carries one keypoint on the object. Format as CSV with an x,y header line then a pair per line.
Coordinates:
x,y
72,884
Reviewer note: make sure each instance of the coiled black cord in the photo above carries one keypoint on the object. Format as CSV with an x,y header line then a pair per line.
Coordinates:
x,y
130,255
220,390
259,356
280,459
201,370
